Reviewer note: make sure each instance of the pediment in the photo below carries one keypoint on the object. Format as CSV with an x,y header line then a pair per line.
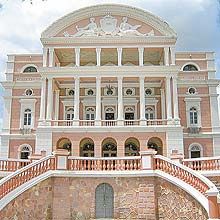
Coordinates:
x,y
109,20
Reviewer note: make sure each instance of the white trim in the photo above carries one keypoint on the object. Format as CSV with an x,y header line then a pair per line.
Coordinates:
x,y
192,145
29,65
190,63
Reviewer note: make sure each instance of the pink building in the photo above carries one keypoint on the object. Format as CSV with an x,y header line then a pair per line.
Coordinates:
x,y
110,83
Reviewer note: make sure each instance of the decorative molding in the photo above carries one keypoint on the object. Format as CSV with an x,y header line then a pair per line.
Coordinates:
x,y
109,9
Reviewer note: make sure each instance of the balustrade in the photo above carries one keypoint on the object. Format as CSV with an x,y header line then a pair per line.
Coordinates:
x,y
11,165
104,164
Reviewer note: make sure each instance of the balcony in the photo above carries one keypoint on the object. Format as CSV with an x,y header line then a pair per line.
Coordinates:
x,y
109,123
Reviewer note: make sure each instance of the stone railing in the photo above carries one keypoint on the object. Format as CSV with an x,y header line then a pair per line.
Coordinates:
x,y
104,164
11,165
108,123
23,175
183,173
203,163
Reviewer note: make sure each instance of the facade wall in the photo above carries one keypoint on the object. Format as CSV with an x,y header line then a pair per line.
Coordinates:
x,y
145,198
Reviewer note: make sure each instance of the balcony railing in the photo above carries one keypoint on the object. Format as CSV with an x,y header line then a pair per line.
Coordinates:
x,y
11,165
109,123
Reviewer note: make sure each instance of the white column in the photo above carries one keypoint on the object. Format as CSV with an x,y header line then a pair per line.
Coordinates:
x,y
166,56
98,102
163,108
7,110
142,101
168,98
51,57
43,99
77,56
141,56
175,100
45,51
57,105
172,55
120,102
119,50
98,56
76,101
49,99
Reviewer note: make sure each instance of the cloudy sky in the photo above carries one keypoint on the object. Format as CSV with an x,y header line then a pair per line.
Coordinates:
x,y
197,23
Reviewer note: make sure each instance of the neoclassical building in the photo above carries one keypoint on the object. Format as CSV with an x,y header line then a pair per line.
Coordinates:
x,y
109,83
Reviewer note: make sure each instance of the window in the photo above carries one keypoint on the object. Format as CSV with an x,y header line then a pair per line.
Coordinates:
x,y
88,150
148,92
71,92
131,149
90,113
149,113
193,116
129,92
24,151
30,69
190,67
192,91
69,116
195,151
28,92
27,117
90,92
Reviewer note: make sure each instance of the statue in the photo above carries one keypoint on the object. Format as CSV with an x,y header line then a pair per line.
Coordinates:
x,y
128,29
89,30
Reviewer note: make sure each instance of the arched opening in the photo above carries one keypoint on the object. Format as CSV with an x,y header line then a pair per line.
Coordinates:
x,y
149,113
30,69
104,201
64,143
24,151
109,148
195,151
87,147
156,144
132,147
190,67
69,115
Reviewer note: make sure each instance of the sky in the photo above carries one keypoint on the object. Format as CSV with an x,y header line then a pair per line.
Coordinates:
x,y
197,23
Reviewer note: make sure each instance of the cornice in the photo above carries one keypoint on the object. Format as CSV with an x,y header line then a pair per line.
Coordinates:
x,y
79,41
109,9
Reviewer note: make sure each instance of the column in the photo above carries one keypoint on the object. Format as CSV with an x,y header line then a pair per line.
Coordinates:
x,y
141,56
43,98
76,102
119,50
172,55
142,101
175,100
98,102
51,57
98,56
77,56
120,102
166,56
45,50
168,98
49,99
57,105
163,108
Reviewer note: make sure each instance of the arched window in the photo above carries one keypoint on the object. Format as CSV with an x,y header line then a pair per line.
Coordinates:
x,y
131,149
69,115
64,143
30,69
25,151
190,67
195,151
109,148
149,113
193,113
90,113
27,117
87,148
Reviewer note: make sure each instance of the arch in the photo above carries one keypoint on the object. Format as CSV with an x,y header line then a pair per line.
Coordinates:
x,y
27,66
64,143
24,151
132,147
90,113
156,144
102,10
104,201
195,150
109,147
86,147
190,63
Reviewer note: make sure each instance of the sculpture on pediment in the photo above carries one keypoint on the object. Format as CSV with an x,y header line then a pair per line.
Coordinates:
x,y
108,27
